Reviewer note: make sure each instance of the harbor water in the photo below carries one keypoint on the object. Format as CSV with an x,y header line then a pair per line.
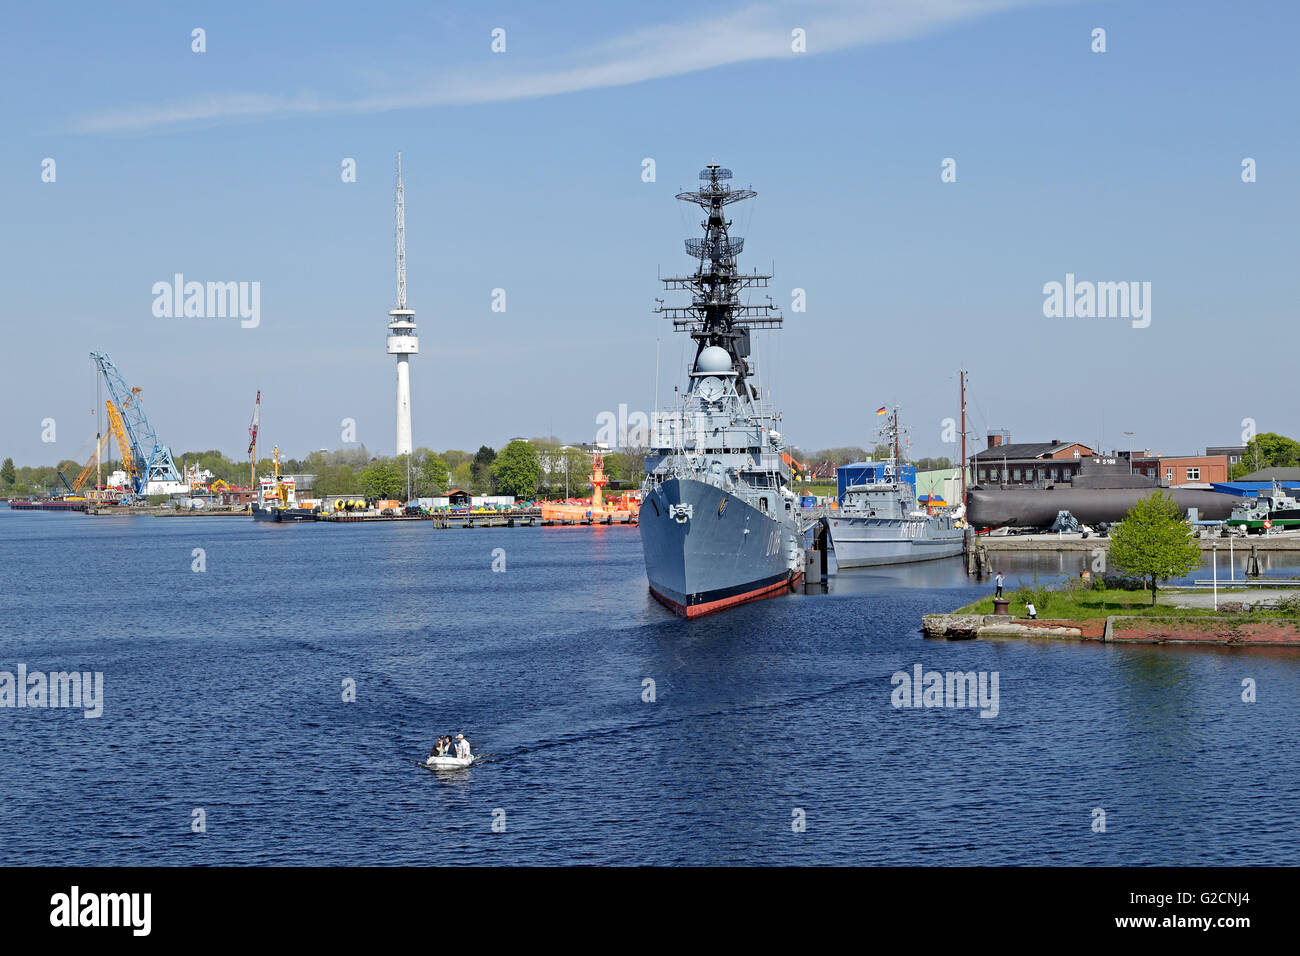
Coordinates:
x,y
618,733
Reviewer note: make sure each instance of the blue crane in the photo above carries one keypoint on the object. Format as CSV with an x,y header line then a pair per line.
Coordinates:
x,y
153,459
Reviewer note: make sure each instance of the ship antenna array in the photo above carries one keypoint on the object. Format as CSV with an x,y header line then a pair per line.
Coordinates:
x,y
716,315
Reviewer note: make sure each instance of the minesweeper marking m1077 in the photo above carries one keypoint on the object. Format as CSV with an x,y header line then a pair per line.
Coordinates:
x,y
719,523
879,521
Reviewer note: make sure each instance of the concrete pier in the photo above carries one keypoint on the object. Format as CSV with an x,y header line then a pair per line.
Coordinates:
x,y
1010,543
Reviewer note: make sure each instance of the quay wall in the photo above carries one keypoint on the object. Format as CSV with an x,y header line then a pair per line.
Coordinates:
x,y
1003,544
1219,629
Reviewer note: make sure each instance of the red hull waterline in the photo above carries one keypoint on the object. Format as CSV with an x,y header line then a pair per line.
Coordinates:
x,y
713,607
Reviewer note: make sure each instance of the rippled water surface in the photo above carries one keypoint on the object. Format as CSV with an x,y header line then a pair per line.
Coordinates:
x,y
223,691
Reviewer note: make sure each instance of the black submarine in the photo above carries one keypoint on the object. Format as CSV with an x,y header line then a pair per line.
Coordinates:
x,y
1102,491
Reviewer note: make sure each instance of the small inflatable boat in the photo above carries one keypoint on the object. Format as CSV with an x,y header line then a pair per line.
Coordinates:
x,y
448,763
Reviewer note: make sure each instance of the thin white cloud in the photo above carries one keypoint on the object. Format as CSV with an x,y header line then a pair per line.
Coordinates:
x,y
760,31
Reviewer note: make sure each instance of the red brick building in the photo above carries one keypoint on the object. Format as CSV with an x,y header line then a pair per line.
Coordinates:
x,y
1174,470
1027,464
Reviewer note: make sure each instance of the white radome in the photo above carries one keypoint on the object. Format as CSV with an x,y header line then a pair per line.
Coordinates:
x,y
712,360
712,388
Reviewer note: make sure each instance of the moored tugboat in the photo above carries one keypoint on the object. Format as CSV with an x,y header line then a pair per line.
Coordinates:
x,y
277,498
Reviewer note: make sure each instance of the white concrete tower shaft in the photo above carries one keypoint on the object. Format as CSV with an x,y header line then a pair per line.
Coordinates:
x,y
402,340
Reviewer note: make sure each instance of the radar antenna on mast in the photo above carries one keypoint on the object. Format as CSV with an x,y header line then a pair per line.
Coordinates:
x,y
715,315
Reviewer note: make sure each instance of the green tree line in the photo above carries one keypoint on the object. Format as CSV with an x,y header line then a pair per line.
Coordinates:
x,y
1267,450
532,469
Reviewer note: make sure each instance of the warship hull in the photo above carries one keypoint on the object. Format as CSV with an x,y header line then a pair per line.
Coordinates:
x,y
870,542
707,550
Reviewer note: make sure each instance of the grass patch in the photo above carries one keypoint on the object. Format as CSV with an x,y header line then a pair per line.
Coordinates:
x,y
1075,603
824,491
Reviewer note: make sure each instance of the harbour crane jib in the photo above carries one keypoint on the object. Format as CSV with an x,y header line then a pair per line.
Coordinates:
x,y
151,469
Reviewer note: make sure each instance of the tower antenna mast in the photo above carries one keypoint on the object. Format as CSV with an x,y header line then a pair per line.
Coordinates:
x,y
401,238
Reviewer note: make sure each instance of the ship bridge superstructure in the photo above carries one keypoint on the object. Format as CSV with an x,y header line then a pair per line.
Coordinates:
x,y
716,316
721,429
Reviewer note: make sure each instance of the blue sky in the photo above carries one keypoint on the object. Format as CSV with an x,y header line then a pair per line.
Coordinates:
x,y
523,172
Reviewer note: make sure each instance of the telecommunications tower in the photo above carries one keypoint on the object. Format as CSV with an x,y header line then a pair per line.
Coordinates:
x,y
402,340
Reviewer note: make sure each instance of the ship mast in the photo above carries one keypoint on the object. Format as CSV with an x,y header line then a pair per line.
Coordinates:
x,y
892,432
252,441
715,315
898,458
963,437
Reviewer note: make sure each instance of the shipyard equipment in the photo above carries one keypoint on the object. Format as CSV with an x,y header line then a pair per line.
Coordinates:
x,y
100,447
118,430
144,457
253,426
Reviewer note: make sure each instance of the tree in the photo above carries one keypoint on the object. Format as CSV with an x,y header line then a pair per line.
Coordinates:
x,y
567,474
382,479
1267,450
822,464
481,470
334,480
462,476
1153,542
454,457
933,464
7,471
433,475
518,470
217,463
841,456
619,469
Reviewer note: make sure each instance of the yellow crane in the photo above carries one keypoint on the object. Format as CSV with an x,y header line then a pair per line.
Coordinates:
x,y
100,447
123,442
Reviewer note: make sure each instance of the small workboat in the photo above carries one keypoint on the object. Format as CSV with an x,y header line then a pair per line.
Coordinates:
x,y
448,763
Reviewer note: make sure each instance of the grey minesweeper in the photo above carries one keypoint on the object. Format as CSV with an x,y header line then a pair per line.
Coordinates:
x,y
879,521
719,523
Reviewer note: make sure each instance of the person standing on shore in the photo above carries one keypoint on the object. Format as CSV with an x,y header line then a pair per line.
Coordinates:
x,y
998,582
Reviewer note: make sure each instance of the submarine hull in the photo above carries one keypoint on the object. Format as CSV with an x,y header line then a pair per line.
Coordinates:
x,y
1038,507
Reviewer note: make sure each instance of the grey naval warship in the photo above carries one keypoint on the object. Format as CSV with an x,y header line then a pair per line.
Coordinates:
x,y
719,523
879,522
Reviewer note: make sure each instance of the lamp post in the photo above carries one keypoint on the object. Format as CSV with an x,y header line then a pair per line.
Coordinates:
x,y
1130,451
1214,550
